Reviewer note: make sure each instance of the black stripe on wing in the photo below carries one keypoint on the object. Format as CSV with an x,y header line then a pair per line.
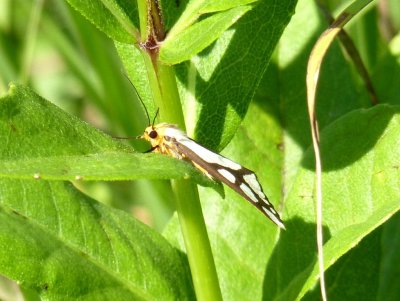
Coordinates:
x,y
242,180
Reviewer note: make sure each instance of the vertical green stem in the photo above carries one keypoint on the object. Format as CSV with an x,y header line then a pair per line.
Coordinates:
x,y
142,10
164,87
197,244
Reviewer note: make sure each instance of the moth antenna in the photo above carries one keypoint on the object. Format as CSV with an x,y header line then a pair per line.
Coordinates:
x,y
127,138
154,120
141,100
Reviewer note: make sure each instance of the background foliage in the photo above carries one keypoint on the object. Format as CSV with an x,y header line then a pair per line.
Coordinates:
x,y
60,240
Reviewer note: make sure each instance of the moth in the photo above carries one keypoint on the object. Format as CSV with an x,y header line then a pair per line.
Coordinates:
x,y
169,140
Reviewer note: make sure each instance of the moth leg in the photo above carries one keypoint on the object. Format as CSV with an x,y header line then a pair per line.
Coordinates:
x,y
173,152
203,171
151,149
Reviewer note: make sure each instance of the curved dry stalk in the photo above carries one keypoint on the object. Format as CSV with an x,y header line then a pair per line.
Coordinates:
x,y
313,68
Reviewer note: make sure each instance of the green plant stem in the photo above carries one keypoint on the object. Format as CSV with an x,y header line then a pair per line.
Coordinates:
x,y
197,244
142,11
202,266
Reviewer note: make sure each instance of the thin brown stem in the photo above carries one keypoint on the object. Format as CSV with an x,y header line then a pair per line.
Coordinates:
x,y
352,52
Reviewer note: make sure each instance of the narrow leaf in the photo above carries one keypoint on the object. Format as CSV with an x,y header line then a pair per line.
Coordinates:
x,y
181,47
117,19
196,8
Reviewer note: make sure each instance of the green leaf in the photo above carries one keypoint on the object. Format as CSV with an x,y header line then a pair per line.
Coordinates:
x,y
184,45
360,187
386,86
196,8
42,141
65,246
117,19
360,193
220,5
107,166
360,266
217,85
390,260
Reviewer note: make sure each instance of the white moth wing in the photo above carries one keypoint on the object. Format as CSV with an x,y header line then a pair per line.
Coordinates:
x,y
239,178
175,133
207,155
